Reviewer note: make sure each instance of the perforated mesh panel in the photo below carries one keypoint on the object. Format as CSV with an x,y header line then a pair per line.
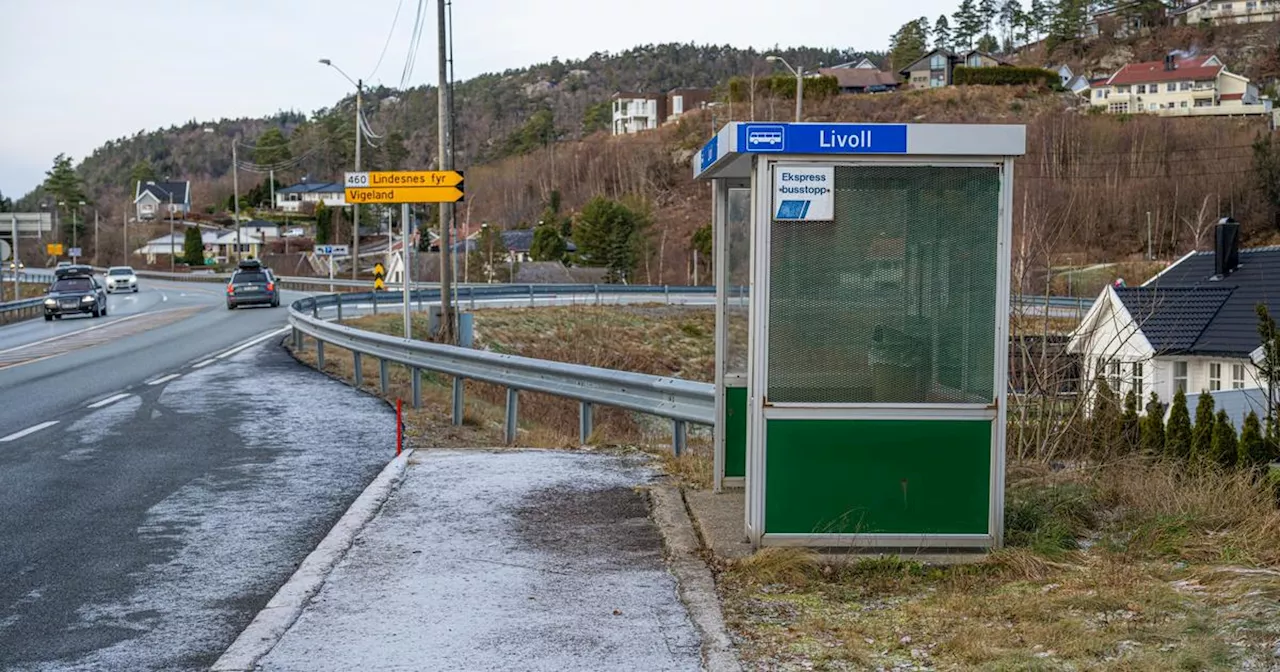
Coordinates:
x,y
894,301
738,229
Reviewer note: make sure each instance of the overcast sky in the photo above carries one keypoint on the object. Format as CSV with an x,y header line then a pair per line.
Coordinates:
x,y
76,73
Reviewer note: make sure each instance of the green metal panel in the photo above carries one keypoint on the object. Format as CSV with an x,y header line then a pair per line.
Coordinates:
x,y
878,476
735,432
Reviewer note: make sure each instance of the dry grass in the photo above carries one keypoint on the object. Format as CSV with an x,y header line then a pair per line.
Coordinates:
x,y
1131,566
26,290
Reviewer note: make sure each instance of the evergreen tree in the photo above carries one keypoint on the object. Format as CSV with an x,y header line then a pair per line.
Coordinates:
x,y
967,24
1153,427
988,10
988,44
1010,13
908,45
1252,451
1202,434
63,183
489,257
1177,438
271,149
193,247
1069,20
548,244
611,234
1269,368
1105,427
942,33
142,172
1129,423
1224,441
393,151
1040,16
324,224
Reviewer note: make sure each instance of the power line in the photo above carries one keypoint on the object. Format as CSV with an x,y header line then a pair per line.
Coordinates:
x,y
414,40
386,44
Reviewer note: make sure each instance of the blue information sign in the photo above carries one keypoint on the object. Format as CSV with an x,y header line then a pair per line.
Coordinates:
x,y
822,139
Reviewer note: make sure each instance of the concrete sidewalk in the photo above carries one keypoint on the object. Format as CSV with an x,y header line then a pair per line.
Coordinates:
x,y
500,560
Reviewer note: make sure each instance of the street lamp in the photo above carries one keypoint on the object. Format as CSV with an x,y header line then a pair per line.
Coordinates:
x,y
799,81
355,216
75,224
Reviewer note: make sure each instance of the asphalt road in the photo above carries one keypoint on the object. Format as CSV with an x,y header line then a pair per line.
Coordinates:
x,y
162,472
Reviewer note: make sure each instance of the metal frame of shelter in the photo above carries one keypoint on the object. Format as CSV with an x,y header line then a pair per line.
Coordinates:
x,y
861,349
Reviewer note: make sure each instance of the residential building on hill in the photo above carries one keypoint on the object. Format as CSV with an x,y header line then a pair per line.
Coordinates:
x,y
291,199
937,68
163,198
634,111
1191,328
1218,12
1198,86
862,80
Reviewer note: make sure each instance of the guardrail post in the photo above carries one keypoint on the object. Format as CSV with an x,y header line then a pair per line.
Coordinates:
x,y
459,384
680,435
666,289
415,375
297,339
320,354
339,297
530,296
471,292
355,361
513,403
597,294
315,308
586,421
384,375
375,302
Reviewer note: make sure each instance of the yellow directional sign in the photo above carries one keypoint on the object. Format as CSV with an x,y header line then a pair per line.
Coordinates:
x,y
404,178
404,195
54,249
378,270
379,284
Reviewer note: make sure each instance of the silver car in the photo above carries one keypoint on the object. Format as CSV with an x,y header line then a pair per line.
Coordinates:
x,y
121,279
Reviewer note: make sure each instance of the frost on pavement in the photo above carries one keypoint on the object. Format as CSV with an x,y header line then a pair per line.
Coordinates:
x,y
499,561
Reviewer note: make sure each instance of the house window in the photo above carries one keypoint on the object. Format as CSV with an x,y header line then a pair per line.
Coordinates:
x,y
1114,380
1154,106
1180,377
1186,86
1237,376
1137,381
938,81
1215,376
1171,87
1142,88
1184,103
938,62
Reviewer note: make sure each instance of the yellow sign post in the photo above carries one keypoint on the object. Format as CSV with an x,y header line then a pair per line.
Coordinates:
x,y
378,274
54,249
418,186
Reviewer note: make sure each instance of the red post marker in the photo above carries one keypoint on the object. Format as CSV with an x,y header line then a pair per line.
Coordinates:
x,y
399,428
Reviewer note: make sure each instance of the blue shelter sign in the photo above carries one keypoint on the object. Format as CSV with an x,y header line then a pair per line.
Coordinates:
x,y
823,138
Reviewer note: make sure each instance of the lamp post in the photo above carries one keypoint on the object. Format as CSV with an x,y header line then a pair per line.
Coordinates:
x,y
75,224
173,243
799,81
355,215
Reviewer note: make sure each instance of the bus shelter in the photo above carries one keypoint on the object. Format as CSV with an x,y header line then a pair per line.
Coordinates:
x,y
862,275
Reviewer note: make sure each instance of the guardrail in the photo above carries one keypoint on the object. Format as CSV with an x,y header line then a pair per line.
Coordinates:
x,y
680,401
24,309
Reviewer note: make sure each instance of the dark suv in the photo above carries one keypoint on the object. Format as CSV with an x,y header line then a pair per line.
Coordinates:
x,y
252,284
75,292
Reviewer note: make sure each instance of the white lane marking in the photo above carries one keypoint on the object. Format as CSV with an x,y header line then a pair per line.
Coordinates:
x,y
117,320
109,400
165,379
205,363
30,430
163,297
252,342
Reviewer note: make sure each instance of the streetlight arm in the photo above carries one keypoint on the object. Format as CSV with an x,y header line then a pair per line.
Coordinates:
x,y
329,63
784,62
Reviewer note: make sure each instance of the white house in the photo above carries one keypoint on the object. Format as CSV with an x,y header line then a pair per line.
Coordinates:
x,y
1191,328
166,245
1197,86
1230,11
162,198
291,199
635,112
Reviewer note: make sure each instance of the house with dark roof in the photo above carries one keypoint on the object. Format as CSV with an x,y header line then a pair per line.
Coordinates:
x,y
1192,327
292,199
1191,86
162,198
859,79
937,68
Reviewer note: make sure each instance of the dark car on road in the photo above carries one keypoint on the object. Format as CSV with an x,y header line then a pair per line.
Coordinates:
x,y
252,284
75,291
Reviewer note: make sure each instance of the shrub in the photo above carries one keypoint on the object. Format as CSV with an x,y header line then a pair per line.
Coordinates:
x,y
1177,440
1224,441
1153,427
1005,76
1252,450
1202,435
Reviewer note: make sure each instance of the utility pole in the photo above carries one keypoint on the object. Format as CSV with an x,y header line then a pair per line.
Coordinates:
x,y
235,193
95,236
173,243
404,244
124,226
13,223
355,215
446,164
1149,257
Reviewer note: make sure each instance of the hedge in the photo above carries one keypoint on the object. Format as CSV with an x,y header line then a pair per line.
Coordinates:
x,y
783,86
1005,76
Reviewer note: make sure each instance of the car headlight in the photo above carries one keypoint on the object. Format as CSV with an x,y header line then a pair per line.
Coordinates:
x,y
87,299
51,302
